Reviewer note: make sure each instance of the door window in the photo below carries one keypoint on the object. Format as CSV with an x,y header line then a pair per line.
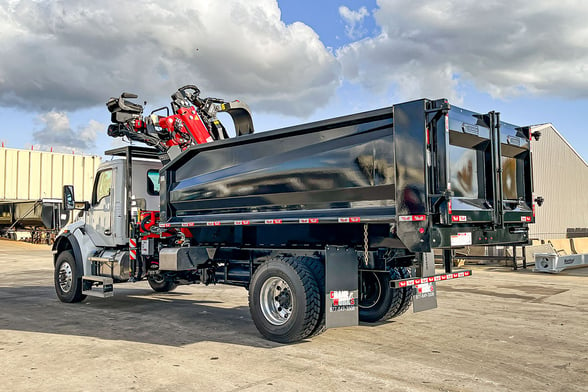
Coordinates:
x,y
103,185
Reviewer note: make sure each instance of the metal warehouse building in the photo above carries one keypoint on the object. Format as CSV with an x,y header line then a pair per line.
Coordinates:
x,y
561,178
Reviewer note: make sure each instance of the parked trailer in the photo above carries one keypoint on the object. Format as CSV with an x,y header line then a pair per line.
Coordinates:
x,y
36,221
31,186
325,224
30,175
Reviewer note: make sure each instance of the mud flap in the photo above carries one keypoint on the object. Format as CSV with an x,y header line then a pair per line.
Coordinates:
x,y
341,287
425,294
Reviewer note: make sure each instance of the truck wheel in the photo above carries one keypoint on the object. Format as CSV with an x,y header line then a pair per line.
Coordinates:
x,y
400,307
317,267
68,285
160,284
284,300
377,301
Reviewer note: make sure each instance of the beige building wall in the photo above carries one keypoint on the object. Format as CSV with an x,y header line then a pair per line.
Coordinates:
x,y
33,175
561,177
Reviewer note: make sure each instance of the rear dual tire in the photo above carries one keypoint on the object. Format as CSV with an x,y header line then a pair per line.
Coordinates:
x,y
379,302
285,300
159,284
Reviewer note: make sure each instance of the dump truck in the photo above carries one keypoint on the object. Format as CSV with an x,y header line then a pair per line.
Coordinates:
x,y
326,224
38,221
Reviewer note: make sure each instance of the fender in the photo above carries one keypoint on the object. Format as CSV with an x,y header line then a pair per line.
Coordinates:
x,y
68,241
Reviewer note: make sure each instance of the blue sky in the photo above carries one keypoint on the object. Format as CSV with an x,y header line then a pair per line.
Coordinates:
x,y
291,61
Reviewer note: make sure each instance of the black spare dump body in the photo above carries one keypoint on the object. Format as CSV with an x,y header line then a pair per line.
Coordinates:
x,y
421,175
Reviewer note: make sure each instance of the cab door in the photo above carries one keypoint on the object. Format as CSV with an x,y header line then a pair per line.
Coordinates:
x,y
100,215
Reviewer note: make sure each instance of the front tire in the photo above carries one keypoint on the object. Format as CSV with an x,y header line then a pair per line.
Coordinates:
x,y
284,300
68,282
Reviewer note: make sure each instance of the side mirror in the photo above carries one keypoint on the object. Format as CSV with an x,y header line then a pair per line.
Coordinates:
x,y
68,198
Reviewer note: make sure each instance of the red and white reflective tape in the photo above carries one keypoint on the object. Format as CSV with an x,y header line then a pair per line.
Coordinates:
x,y
430,279
324,220
354,219
412,218
308,220
132,248
459,218
526,218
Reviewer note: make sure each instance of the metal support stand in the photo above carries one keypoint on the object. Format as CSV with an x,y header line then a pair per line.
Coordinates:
x,y
545,262
448,260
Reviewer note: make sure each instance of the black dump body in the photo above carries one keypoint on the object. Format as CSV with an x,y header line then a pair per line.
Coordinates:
x,y
418,175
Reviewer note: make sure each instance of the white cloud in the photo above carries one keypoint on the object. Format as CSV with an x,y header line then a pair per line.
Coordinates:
x,y
69,55
57,133
60,55
354,21
505,48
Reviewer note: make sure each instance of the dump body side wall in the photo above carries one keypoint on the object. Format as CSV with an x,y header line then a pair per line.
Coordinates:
x,y
322,169
392,167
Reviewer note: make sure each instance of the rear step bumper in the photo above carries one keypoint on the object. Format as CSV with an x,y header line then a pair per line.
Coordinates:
x,y
429,279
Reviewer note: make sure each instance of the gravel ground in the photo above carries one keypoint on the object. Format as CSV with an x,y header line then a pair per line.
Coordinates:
x,y
499,330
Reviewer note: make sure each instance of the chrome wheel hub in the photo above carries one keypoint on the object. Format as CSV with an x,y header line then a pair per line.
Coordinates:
x,y
65,277
276,300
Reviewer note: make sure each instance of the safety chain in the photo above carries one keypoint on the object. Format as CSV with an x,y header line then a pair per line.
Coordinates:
x,y
365,245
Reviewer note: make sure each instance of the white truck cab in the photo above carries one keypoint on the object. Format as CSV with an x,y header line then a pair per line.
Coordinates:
x,y
95,247
107,217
